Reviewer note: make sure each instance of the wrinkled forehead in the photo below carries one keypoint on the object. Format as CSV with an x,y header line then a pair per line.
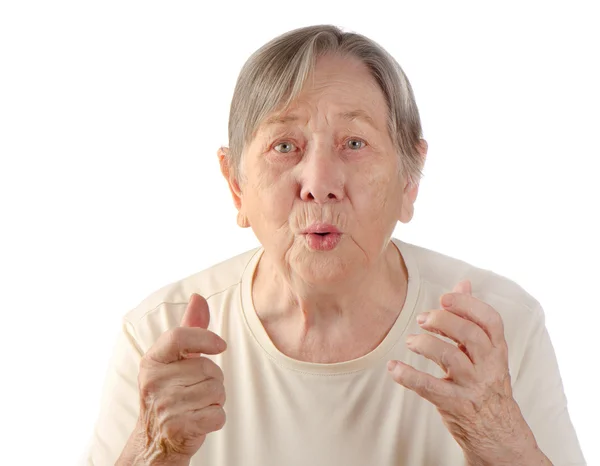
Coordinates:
x,y
298,116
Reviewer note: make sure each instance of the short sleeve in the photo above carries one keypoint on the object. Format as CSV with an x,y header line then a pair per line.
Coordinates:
x,y
538,390
119,407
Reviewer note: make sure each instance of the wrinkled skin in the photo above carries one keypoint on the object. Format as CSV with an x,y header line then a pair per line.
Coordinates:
x,y
181,392
475,398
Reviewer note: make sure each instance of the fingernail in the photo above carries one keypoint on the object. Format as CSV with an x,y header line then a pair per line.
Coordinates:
x,y
391,365
422,318
221,344
447,300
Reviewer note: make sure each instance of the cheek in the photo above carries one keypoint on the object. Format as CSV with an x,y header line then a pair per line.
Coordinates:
x,y
376,191
271,197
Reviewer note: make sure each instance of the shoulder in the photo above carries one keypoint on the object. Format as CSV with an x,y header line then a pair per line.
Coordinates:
x,y
522,315
163,308
442,272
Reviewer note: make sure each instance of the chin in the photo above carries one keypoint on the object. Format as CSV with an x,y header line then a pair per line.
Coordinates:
x,y
323,267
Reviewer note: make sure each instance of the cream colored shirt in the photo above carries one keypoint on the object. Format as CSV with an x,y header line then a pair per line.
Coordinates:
x,y
286,412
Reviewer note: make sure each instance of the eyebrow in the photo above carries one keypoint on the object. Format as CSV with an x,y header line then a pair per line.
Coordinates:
x,y
349,116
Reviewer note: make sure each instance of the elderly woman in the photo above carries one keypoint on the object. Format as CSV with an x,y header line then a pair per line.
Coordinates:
x,y
335,343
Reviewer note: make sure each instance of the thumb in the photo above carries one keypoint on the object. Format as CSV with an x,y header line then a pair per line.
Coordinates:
x,y
463,287
196,314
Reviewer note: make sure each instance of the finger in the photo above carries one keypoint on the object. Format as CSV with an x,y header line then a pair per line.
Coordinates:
x,y
210,419
478,312
177,343
434,390
183,402
196,313
463,287
184,373
199,396
463,331
204,367
446,355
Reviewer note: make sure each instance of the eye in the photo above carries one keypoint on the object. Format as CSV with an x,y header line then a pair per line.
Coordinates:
x,y
287,147
356,146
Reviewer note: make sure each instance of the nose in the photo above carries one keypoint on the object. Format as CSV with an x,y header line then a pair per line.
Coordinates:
x,y
322,177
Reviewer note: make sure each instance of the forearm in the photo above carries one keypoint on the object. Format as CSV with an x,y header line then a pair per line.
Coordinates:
x,y
136,453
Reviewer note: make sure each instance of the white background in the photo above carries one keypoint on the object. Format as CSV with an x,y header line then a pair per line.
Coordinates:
x,y
111,114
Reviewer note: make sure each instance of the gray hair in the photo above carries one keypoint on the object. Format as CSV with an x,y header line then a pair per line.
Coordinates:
x,y
274,75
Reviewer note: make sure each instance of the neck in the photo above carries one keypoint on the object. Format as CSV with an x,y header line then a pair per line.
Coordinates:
x,y
369,295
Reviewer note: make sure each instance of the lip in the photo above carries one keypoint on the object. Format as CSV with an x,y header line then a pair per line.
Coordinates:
x,y
320,228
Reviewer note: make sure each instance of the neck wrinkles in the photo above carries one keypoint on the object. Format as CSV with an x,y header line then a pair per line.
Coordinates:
x,y
279,295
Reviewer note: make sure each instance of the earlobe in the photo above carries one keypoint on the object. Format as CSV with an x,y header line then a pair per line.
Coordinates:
x,y
409,197
242,220
407,213
411,190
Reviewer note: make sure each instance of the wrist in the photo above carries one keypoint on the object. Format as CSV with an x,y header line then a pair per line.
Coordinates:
x,y
530,458
140,452
149,458
514,444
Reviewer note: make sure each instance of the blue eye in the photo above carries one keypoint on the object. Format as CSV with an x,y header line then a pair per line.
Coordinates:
x,y
287,147
288,144
359,143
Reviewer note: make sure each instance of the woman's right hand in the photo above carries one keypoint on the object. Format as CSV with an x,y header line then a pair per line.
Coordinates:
x,y
181,393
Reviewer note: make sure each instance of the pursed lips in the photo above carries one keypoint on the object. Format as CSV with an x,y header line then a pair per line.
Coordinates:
x,y
321,229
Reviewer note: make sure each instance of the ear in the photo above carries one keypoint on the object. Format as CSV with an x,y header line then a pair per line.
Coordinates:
x,y
412,190
229,174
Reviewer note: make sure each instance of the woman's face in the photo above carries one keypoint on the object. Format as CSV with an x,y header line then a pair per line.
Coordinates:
x,y
321,186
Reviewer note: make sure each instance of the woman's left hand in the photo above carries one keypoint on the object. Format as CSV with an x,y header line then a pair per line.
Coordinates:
x,y
475,397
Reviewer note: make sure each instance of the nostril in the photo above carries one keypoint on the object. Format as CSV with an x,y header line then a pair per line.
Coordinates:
x,y
331,196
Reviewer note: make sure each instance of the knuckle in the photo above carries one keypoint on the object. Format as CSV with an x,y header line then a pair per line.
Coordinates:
x,y
147,384
161,406
428,385
221,395
496,318
209,368
221,418
145,363
218,419
211,419
146,390
220,376
213,386
215,392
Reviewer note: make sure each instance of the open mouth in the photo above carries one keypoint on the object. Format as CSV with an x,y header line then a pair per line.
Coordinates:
x,y
322,234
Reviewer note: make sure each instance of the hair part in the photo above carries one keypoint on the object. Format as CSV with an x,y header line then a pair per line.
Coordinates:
x,y
275,74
